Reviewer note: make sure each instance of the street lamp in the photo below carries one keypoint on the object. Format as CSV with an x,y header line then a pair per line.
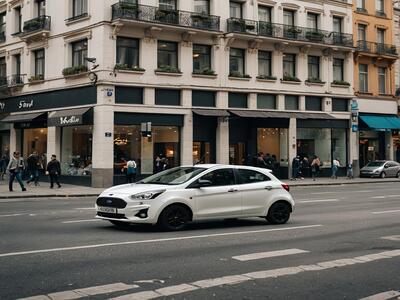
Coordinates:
x,y
92,75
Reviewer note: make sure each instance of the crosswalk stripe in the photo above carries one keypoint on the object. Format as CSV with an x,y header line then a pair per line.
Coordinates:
x,y
274,273
386,211
268,254
85,292
391,238
383,296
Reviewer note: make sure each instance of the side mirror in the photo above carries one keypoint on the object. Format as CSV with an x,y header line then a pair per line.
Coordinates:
x,y
202,183
386,166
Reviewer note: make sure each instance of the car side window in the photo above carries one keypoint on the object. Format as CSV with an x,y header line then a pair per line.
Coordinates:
x,y
250,176
220,177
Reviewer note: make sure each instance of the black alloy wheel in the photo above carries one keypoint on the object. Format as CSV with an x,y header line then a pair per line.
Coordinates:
x,y
174,217
279,213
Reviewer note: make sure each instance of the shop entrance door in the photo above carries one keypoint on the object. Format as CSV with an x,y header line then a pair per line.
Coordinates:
x,y
369,151
202,153
34,139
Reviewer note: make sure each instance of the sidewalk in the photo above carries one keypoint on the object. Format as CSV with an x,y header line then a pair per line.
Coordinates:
x,y
44,191
67,190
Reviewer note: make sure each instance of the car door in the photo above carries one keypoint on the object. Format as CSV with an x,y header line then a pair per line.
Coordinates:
x,y
257,190
221,198
392,169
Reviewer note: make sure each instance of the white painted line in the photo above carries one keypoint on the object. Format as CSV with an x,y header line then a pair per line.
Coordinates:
x,y
157,240
386,212
11,215
269,254
317,201
85,292
391,238
86,208
383,296
176,289
386,196
274,273
81,221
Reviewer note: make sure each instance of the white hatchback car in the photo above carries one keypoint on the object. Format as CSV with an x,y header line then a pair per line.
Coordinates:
x,y
175,197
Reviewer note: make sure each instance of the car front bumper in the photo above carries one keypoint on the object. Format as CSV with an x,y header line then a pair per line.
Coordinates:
x,y
132,213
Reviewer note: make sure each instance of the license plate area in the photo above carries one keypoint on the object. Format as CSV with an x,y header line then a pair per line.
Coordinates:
x,y
109,210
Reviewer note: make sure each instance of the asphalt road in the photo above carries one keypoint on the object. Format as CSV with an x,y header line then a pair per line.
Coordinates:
x,y
342,242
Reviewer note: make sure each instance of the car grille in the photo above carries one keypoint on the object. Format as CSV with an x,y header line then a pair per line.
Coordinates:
x,y
110,215
111,202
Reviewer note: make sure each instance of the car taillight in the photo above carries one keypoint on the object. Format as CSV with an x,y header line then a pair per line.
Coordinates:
x,y
285,186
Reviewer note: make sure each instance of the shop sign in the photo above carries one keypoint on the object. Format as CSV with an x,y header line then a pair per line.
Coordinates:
x,y
354,115
108,134
26,104
354,105
2,105
72,120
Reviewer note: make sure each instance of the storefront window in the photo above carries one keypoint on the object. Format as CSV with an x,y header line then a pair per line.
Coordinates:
x,y
151,154
76,151
201,152
274,141
339,148
315,141
34,139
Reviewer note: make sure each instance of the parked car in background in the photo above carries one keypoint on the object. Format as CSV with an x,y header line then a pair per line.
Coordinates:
x,y
381,168
177,196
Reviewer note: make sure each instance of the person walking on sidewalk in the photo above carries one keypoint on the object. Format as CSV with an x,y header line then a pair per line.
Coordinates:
x,y
15,167
350,173
315,164
54,171
335,167
131,171
33,168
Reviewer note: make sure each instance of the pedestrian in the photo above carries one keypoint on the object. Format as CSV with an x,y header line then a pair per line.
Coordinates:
x,y
350,174
315,165
54,171
269,162
165,163
305,167
276,165
335,168
158,164
33,168
131,171
15,167
260,160
295,167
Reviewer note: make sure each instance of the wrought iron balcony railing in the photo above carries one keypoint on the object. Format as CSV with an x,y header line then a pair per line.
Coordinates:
x,y
288,32
12,81
2,36
37,24
144,13
376,48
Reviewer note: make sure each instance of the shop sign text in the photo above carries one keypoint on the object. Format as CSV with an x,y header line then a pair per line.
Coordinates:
x,y
70,120
2,105
25,104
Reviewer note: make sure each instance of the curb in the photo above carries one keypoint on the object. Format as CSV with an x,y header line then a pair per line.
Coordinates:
x,y
339,183
48,196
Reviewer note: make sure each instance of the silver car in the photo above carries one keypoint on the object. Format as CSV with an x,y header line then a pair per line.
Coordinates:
x,y
381,168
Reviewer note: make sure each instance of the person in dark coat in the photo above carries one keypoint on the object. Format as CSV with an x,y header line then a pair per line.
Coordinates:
x,y
54,171
33,168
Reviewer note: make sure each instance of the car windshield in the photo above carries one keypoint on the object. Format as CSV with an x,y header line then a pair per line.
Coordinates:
x,y
173,176
375,164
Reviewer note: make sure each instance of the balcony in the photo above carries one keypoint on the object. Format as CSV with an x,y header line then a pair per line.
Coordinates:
x,y
36,28
287,32
13,81
151,14
376,48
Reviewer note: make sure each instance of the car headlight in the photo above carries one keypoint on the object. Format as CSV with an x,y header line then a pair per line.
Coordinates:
x,y
377,171
147,195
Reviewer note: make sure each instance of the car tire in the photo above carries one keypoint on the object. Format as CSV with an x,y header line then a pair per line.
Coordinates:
x,y
174,218
279,213
398,175
383,175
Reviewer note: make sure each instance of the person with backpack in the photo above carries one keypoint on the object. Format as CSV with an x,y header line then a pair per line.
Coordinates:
x,y
131,171
15,167
54,171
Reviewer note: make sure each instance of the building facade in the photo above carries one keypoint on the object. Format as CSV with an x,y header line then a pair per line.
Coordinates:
x,y
374,79
101,82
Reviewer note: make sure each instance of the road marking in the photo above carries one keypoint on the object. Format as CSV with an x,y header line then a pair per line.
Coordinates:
x,y
342,191
85,292
86,208
176,289
269,254
383,296
391,238
317,201
386,211
264,274
81,221
386,196
11,215
156,240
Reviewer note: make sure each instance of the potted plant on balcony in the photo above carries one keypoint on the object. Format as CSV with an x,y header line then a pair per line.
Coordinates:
x,y
340,82
168,69
266,77
316,36
291,32
125,67
288,77
314,80
32,25
167,16
237,25
35,78
130,10
74,70
250,26
237,74
206,72
201,20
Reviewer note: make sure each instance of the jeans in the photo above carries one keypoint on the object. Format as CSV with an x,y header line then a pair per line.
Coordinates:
x,y
334,171
14,175
34,176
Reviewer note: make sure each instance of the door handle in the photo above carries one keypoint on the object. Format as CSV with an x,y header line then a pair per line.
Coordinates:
x,y
268,188
232,191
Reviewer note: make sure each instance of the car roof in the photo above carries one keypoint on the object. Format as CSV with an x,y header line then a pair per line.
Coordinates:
x,y
219,166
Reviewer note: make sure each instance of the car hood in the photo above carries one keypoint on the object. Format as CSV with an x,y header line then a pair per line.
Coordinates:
x,y
130,189
371,169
